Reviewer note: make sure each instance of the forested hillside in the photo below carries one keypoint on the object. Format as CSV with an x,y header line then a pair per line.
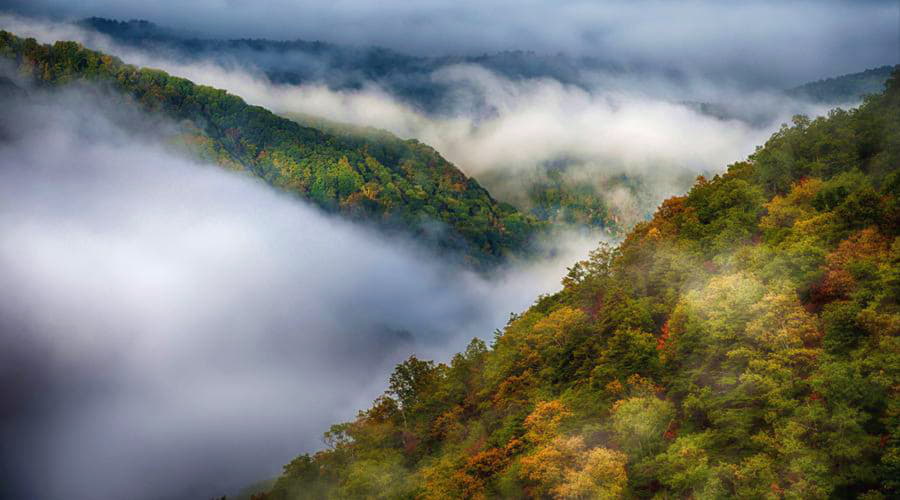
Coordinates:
x,y
398,183
741,344
551,195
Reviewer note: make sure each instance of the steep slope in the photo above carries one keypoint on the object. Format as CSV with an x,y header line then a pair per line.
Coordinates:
x,y
550,195
744,343
400,184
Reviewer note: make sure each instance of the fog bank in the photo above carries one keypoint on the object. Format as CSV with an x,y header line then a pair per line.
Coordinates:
x,y
506,132
173,330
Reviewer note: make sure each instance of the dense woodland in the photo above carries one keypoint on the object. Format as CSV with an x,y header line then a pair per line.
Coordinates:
x,y
742,343
551,197
373,176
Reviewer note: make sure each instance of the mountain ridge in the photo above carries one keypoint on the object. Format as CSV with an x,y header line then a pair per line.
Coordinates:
x,y
395,182
382,64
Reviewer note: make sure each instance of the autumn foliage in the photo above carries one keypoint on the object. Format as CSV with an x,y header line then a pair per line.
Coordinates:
x,y
741,344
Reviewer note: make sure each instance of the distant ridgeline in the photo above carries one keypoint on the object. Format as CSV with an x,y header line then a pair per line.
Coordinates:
x,y
744,343
845,88
348,66
409,77
374,176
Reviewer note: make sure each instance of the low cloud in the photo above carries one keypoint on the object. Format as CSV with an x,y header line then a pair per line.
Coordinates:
x,y
505,132
173,330
772,42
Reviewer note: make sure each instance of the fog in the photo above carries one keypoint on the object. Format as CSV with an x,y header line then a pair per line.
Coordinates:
x,y
505,132
175,330
778,43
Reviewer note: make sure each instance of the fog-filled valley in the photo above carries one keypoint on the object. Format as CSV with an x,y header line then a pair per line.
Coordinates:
x,y
222,233
609,142
194,314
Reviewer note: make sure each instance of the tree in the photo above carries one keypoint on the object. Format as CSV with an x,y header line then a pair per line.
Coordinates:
x,y
639,424
543,423
842,330
410,383
600,474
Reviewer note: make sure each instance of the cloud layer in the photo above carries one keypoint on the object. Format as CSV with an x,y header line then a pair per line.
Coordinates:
x,y
505,131
174,330
782,43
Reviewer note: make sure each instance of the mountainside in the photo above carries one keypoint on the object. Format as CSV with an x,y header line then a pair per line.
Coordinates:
x,y
551,195
744,343
399,183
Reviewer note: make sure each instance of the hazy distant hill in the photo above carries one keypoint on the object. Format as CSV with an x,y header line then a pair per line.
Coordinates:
x,y
344,66
408,77
375,176
845,88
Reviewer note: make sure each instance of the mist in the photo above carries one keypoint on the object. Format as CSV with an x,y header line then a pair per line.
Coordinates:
x,y
505,132
174,330
766,41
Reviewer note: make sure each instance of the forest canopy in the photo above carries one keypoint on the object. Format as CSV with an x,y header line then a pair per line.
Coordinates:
x,y
745,342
